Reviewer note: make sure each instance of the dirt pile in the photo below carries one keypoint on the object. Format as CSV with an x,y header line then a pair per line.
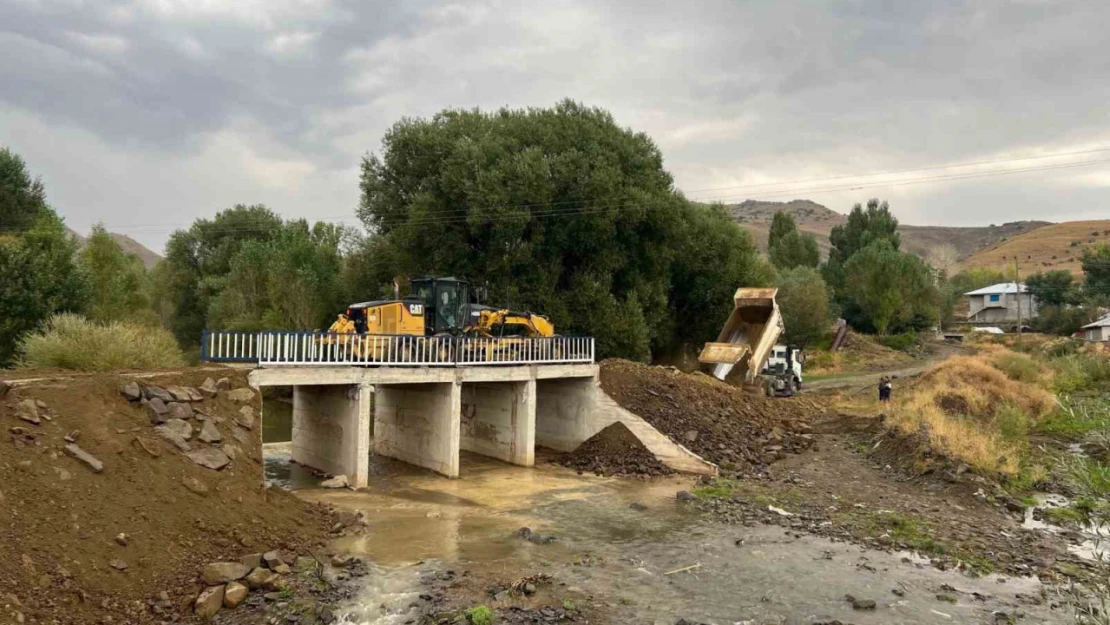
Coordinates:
x,y
614,451
115,489
726,425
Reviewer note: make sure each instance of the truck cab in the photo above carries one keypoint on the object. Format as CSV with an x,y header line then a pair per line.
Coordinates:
x,y
782,373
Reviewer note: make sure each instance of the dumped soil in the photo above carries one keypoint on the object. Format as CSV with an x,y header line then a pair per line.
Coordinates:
x,y
736,429
82,545
614,451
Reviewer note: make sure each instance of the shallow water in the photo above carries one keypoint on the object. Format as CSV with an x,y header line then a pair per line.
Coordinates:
x,y
650,566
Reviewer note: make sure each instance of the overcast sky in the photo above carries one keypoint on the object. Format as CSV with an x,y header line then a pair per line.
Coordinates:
x,y
148,114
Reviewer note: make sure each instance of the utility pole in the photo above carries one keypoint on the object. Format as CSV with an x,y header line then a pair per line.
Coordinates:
x,y
1017,288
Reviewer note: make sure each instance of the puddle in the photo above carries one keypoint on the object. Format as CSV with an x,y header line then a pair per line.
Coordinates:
x,y
652,563
1096,545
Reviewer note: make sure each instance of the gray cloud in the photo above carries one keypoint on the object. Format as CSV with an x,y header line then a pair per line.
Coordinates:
x,y
147,114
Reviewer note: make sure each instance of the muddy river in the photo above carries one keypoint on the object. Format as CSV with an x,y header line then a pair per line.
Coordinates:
x,y
632,549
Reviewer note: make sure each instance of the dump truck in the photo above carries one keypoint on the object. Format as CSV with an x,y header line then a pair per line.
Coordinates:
x,y
748,337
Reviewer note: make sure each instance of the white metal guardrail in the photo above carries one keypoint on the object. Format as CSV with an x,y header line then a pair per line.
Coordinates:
x,y
323,348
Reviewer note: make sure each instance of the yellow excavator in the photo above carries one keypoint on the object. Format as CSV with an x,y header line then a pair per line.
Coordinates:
x,y
438,308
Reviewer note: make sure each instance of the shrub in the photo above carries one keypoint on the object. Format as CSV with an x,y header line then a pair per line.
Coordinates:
x,y
73,342
903,342
479,615
1018,367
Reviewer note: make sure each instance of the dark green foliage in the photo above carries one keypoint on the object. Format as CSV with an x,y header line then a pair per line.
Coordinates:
x,y
1096,270
1053,288
795,249
782,224
804,301
1064,320
22,198
117,280
560,211
889,290
38,277
863,228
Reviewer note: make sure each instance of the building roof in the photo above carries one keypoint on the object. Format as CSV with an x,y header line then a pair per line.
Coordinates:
x,y
1101,323
999,289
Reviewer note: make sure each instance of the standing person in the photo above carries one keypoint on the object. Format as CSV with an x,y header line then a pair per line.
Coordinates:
x,y
884,389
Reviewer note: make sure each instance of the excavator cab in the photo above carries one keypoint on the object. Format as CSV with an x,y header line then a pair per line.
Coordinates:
x,y
446,303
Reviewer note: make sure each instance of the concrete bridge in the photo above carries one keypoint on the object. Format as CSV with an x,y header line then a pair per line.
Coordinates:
x,y
427,404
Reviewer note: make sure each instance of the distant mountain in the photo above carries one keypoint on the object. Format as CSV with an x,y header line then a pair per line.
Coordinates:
x,y
819,221
127,244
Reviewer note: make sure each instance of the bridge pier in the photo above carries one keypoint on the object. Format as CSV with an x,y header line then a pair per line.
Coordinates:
x,y
331,429
499,420
419,424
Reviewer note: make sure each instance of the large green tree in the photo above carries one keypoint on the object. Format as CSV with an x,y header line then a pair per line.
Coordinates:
x,y
22,198
560,211
1053,288
804,301
863,227
789,248
1096,270
117,280
198,262
890,290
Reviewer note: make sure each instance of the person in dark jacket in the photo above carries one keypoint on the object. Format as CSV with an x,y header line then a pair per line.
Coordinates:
x,y
884,389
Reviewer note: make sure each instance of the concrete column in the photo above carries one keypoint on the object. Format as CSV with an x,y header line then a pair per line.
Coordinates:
x,y
419,424
499,420
565,412
331,430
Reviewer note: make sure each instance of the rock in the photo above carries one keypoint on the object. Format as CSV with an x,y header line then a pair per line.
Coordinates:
x,y
340,561
180,427
637,506
245,417
157,411
5,386
28,410
946,598
241,395
195,485
209,433
209,457
179,410
131,391
174,437
232,451
223,384
41,404
223,572
691,436
209,602
252,560
272,559
339,481
88,459
258,578
283,569
194,394
685,495
529,588
147,446
234,594
118,564
121,539
63,475
179,393
209,387
241,436
276,582
861,604
157,392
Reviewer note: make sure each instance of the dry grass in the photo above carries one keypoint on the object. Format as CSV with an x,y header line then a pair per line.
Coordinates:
x,y
971,411
1058,246
73,342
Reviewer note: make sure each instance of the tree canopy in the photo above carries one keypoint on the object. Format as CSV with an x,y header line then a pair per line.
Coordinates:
x,y
561,211
789,248
891,290
863,228
804,301
22,198
1096,270
117,280
1053,288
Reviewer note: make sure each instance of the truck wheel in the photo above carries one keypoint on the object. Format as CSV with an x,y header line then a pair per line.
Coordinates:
x,y
791,387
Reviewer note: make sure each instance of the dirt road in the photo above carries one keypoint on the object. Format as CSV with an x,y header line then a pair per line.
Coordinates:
x,y
861,380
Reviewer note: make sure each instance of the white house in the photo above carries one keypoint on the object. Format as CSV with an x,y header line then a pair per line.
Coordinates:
x,y
1098,331
999,303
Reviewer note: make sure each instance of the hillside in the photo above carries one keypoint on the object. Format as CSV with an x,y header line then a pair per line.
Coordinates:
x,y
127,244
1056,246
819,221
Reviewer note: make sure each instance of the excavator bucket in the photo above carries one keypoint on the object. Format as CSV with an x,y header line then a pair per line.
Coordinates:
x,y
748,336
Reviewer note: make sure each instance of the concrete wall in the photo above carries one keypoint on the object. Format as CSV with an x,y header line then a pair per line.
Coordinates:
x,y
419,424
982,310
499,420
331,429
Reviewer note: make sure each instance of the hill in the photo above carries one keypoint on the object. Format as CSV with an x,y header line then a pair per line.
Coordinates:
x,y
127,244
1056,246
819,221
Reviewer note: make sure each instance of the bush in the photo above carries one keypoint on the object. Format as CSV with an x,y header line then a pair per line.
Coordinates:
x,y
73,342
903,342
1018,367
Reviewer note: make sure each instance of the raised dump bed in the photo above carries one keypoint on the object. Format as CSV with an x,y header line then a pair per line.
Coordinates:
x,y
748,336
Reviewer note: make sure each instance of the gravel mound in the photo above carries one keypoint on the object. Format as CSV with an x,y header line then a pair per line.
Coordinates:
x,y
614,451
735,429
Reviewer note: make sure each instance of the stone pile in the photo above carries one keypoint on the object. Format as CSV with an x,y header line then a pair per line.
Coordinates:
x,y
172,411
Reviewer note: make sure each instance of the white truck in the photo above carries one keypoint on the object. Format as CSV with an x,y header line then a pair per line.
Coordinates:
x,y
782,374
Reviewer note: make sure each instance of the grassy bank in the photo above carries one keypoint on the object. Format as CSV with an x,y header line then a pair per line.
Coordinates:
x,y
74,342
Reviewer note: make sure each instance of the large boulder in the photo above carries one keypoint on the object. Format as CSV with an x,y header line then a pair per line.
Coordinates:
x,y
179,410
223,384
157,392
223,572
131,391
209,602
179,393
209,433
157,411
180,427
242,395
209,387
209,458
234,594
258,578
28,410
173,436
245,417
